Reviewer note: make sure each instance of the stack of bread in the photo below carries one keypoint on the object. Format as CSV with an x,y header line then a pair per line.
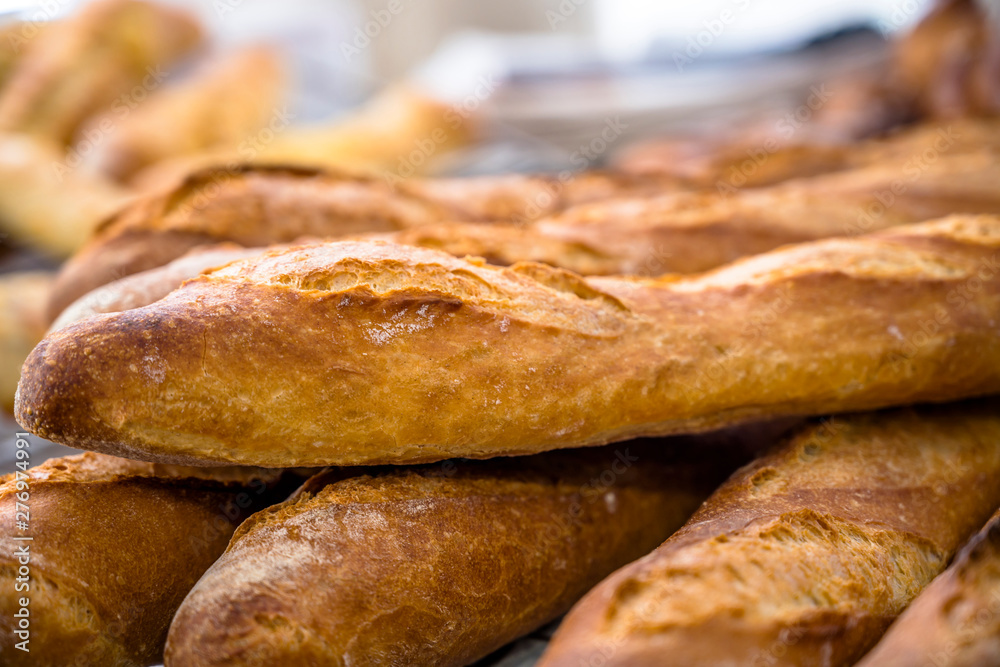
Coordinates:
x,y
332,420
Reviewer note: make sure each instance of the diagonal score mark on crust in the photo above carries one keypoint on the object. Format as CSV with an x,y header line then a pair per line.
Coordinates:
x,y
529,292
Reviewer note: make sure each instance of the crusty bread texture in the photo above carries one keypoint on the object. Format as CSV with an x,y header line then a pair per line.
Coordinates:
x,y
439,564
115,547
337,353
146,287
955,622
806,555
593,223
497,244
265,205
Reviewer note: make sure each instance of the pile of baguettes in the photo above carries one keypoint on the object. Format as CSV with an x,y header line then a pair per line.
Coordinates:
x,y
334,421
849,356
120,99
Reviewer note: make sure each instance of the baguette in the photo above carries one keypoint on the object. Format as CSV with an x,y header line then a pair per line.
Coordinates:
x,y
946,67
223,105
679,232
806,555
335,353
497,244
260,206
690,232
142,289
955,622
434,565
22,302
397,132
86,62
116,545
766,160
52,210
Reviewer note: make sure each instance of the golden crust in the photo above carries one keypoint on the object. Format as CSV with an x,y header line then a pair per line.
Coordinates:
x,y
336,353
117,544
261,206
806,555
142,289
955,622
629,226
433,565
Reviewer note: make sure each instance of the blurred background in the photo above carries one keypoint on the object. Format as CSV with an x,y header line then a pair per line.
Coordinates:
x,y
541,76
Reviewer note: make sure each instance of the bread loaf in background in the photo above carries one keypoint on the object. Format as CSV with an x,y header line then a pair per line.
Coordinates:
x,y
336,353
22,301
116,545
371,139
805,556
439,564
222,105
91,60
955,622
46,204
753,157
13,36
631,225
266,205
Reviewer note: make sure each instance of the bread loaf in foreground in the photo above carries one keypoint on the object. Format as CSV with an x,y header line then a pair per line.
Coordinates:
x,y
436,565
497,244
142,289
116,546
265,205
804,556
955,622
336,353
